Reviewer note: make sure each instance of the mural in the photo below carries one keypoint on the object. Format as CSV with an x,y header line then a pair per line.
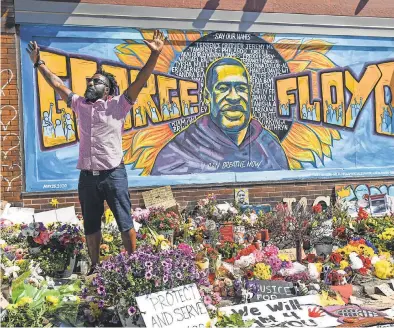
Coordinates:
x,y
220,107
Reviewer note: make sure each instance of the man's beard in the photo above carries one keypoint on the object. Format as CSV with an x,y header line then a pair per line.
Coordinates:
x,y
91,94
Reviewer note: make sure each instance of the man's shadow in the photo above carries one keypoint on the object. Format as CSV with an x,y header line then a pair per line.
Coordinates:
x,y
206,14
249,17
360,6
251,9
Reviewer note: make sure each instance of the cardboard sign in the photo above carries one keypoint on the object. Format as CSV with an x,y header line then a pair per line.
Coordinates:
x,y
241,196
226,233
301,311
291,253
272,289
179,307
159,197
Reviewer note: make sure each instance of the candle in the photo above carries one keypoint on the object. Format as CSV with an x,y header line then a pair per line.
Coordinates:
x,y
265,235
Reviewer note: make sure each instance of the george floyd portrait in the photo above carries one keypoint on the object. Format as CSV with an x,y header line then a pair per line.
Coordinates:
x,y
241,196
227,137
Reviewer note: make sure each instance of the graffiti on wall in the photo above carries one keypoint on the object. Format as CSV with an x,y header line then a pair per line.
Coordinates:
x,y
362,195
227,103
10,170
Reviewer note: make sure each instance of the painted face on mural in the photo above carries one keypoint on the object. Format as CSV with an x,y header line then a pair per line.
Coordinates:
x,y
227,94
97,87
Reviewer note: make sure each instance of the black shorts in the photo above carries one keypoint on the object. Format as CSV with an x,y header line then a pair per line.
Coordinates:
x,y
110,185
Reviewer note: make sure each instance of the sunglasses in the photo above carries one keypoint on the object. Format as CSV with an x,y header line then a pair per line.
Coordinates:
x,y
96,81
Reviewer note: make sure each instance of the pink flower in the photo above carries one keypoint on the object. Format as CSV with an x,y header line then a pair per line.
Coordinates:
x,y
42,238
259,256
207,300
270,250
19,254
217,297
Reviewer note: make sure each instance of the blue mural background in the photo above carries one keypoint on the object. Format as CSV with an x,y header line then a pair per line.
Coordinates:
x,y
359,153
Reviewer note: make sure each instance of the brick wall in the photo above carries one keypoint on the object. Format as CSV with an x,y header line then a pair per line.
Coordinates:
x,y
187,196
11,138
11,173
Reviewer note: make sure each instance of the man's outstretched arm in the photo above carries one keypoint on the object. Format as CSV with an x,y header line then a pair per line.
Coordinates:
x,y
155,46
53,80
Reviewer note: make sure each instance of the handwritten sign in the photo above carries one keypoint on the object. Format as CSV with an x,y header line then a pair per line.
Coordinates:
x,y
226,233
293,312
159,197
272,290
291,253
178,307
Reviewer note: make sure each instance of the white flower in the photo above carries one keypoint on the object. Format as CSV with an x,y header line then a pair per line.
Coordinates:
x,y
355,262
375,259
10,271
245,261
253,217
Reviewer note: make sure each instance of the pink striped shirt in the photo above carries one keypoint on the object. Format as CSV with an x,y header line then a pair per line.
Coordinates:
x,y
100,130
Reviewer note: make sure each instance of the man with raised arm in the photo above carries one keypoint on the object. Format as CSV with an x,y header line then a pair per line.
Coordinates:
x,y
101,114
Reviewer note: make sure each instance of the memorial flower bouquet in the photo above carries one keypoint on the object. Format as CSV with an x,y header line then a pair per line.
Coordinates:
x,y
37,302
229,250
122,278
160,220
53,246
141,215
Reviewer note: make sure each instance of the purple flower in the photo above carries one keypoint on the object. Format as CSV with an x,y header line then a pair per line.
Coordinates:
x,y
84,292
131,311
148,275
100,304
178,275
165,278
101,290
148,264
275,263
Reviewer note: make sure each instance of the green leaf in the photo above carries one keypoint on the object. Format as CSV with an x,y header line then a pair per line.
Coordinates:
x,y
17,286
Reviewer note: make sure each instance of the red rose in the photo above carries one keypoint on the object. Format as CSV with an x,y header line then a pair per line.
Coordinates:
x,y
249,274
336,258
363,271
366,261
311,258
317,208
